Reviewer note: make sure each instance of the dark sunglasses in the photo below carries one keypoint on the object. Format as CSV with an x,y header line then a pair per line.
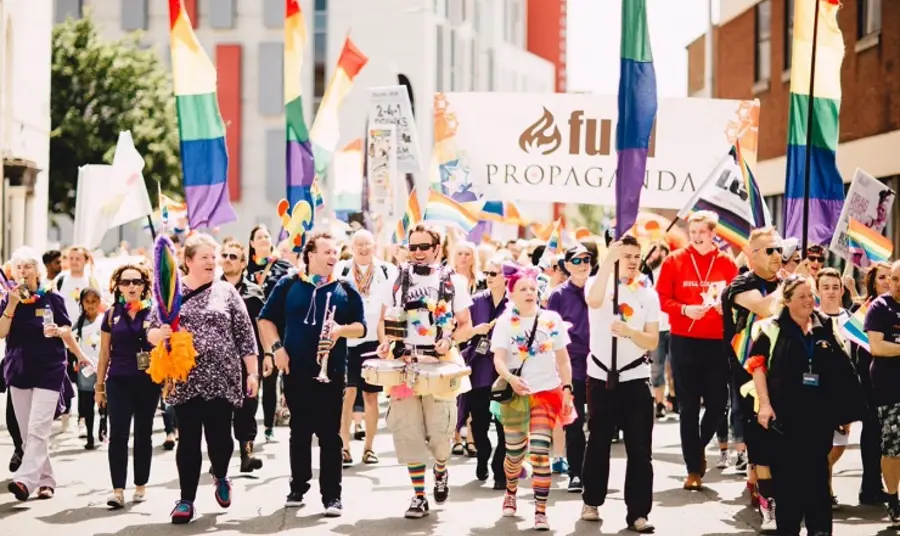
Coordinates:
x,y
129,282
815,258
771,251
420,247
231,256
491,274
580,260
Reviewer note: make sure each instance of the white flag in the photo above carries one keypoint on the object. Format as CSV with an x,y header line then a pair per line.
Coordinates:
x,y
91,222
132,200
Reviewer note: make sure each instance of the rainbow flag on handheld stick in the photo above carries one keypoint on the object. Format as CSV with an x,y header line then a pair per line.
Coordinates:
x,y
204,158
411,217
442,209
299,167
853,329
875,246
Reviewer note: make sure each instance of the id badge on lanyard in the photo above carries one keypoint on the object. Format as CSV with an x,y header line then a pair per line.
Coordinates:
x,y
483,346
809,378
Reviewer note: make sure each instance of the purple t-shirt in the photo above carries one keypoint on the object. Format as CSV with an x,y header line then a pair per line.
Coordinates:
x,y
884,317
127,337
568,300
482,365
33,361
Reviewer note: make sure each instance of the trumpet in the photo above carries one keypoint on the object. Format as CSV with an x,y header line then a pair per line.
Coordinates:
x,y
325,342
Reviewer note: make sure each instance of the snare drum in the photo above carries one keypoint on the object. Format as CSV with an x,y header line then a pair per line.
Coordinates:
x,y
443,377
383,373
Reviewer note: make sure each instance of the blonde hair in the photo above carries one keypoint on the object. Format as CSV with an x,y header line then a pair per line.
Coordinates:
x,y
476,262
710,218
790,285
756,234
195,242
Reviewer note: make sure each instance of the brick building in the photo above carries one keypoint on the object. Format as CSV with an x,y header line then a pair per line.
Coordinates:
x,y
752,59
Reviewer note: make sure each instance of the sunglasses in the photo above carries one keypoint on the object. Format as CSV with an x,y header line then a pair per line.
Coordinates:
x,y
231,256
771,251
815,258
420,247
129,282
580,260
491,274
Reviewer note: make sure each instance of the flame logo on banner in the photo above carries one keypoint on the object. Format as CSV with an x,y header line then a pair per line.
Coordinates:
x,y
543,136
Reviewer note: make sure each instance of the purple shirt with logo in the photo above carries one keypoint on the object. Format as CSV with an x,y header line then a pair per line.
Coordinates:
x,y
883,316
568,300
127,337
482,311
33,361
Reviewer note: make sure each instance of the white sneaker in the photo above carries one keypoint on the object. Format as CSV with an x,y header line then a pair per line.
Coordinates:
x,y
723,460
590,513
64,422
642,526
767,509
140,495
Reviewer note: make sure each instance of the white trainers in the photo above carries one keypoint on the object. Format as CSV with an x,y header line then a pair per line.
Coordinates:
x,y
642,526
723,461
540,522
767,509
590,513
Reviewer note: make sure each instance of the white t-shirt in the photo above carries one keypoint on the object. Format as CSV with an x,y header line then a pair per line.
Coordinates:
x,y
71,290
420,287
90,345
663,317
378,291
539,371
639,307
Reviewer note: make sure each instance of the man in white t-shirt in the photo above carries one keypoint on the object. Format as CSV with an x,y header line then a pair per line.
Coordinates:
x,y
373,279
70,284
422,425
618,391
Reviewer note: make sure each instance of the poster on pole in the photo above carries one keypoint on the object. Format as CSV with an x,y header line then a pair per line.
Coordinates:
x,y
869,202
390,106
382,168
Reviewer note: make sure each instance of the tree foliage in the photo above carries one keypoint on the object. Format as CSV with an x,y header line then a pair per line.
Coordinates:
x,y
99,88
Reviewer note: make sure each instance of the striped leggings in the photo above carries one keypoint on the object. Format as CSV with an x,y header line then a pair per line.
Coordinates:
x,y
536,440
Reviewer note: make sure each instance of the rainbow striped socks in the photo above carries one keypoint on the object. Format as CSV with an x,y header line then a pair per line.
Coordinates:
x,y
417,475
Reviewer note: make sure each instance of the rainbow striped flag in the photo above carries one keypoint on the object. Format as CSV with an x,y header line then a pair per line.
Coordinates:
x,y
853,328
875,246
204,157
299,167
318,200
326,129
442,209
554,245
411,217
826,192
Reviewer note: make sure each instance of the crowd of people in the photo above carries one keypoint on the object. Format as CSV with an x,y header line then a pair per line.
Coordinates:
x,y
562,354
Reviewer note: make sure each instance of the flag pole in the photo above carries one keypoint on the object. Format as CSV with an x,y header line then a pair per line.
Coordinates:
x,y
807,177
612,378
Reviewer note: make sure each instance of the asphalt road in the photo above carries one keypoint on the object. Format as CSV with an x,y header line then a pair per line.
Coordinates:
x,y
375,498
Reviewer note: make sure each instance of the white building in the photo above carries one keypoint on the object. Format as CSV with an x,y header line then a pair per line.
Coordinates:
x,y
438,45
25,36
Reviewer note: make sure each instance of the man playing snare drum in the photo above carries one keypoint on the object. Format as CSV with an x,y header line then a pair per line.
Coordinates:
x,y
427,304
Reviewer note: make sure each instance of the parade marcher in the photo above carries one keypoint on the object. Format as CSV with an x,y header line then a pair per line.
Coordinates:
x,y
568,301
529,346
123,385
214,314
806,387
52,263
265,269
688,284
751,296
234,262
297,313
373,279
422,425
625,403
36,327
883,328
87,332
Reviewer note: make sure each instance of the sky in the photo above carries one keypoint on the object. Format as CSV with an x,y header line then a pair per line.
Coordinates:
x,y
593,43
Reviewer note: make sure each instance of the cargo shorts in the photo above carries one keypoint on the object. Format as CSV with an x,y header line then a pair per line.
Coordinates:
x,y
422,427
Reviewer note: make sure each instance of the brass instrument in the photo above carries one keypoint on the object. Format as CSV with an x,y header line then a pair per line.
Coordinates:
x,y
325,342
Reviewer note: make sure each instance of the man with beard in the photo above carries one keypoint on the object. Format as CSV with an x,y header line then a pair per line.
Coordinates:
x,y
422,425
752,296
234,262
296,310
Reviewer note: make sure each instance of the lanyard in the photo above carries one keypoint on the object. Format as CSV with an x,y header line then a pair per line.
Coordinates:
x,y
697,270
809,344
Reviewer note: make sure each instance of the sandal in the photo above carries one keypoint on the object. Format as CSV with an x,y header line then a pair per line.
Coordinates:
x,y
348,459
471,451
369,457
44,493
457,449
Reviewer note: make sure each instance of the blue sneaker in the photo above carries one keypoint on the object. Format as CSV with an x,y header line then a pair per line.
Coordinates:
x,y
183,513
560,466
223,492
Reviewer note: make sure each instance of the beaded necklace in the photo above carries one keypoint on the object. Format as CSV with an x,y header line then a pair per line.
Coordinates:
x,y
136,306
521,341
443,318
363,281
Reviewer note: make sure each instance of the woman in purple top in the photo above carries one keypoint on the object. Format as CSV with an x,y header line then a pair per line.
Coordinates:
x,y
486,308
37,332
213,312
123,384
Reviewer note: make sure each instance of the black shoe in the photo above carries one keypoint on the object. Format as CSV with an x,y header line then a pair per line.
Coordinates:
x,y
294,500
481,472
359,434
441,487
212,471
334,508
249,463
575,485
660,411
893,511
15,462
877,498
673,401
418,508
90,445
500,485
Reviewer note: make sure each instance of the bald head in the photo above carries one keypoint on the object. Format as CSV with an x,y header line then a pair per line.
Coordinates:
x,y
363,247
895,280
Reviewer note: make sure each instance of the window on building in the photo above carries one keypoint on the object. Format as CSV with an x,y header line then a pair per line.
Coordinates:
x,y
275,155
67,8
869,17
320,52
474,66
788,33
763,41
439,64
270,78
273,13
222,13
134,15
453,60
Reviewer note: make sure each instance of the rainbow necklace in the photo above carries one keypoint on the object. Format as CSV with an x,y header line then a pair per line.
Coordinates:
x,y
36,295
263,261
316,280
521,341
136,306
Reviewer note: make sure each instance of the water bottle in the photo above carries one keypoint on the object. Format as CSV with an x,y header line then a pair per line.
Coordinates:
x,y
48,318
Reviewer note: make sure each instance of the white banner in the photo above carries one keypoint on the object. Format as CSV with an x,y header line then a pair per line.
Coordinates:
x,y
381,168
348,177
561,147
869,202
724,192
391,106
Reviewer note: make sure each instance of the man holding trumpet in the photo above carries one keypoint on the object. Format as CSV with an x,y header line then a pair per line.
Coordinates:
x,y
305,323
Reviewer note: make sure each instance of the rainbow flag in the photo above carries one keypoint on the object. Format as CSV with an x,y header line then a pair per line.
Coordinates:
x,y
204,158
411,217
326,129
554,245
502,212
318,200
853,328
299,167
877,248
637,112
826,192
440,208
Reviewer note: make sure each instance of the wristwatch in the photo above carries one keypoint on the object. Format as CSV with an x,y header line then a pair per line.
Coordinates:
x,y
567,386
275,347
268,354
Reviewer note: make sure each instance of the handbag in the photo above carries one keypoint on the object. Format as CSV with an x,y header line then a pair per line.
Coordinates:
x,y
502,390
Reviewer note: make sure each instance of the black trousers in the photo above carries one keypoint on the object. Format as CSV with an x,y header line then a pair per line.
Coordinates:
x,y
800,475
131,399
86,407
196,418
245,428
702,373
870,434
629,408
575,441
12,425
315,409
479,404
269,389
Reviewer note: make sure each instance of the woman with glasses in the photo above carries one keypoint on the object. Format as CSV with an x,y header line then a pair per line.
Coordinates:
x,y
123,385
805,387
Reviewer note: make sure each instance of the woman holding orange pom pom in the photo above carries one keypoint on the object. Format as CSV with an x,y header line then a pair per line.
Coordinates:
x,y
200,358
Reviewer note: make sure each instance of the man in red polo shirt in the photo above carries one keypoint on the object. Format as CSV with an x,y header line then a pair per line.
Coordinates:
x,y
690,286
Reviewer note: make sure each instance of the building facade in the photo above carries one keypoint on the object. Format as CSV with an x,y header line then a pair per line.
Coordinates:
x,y
435,45
752,59
25,35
